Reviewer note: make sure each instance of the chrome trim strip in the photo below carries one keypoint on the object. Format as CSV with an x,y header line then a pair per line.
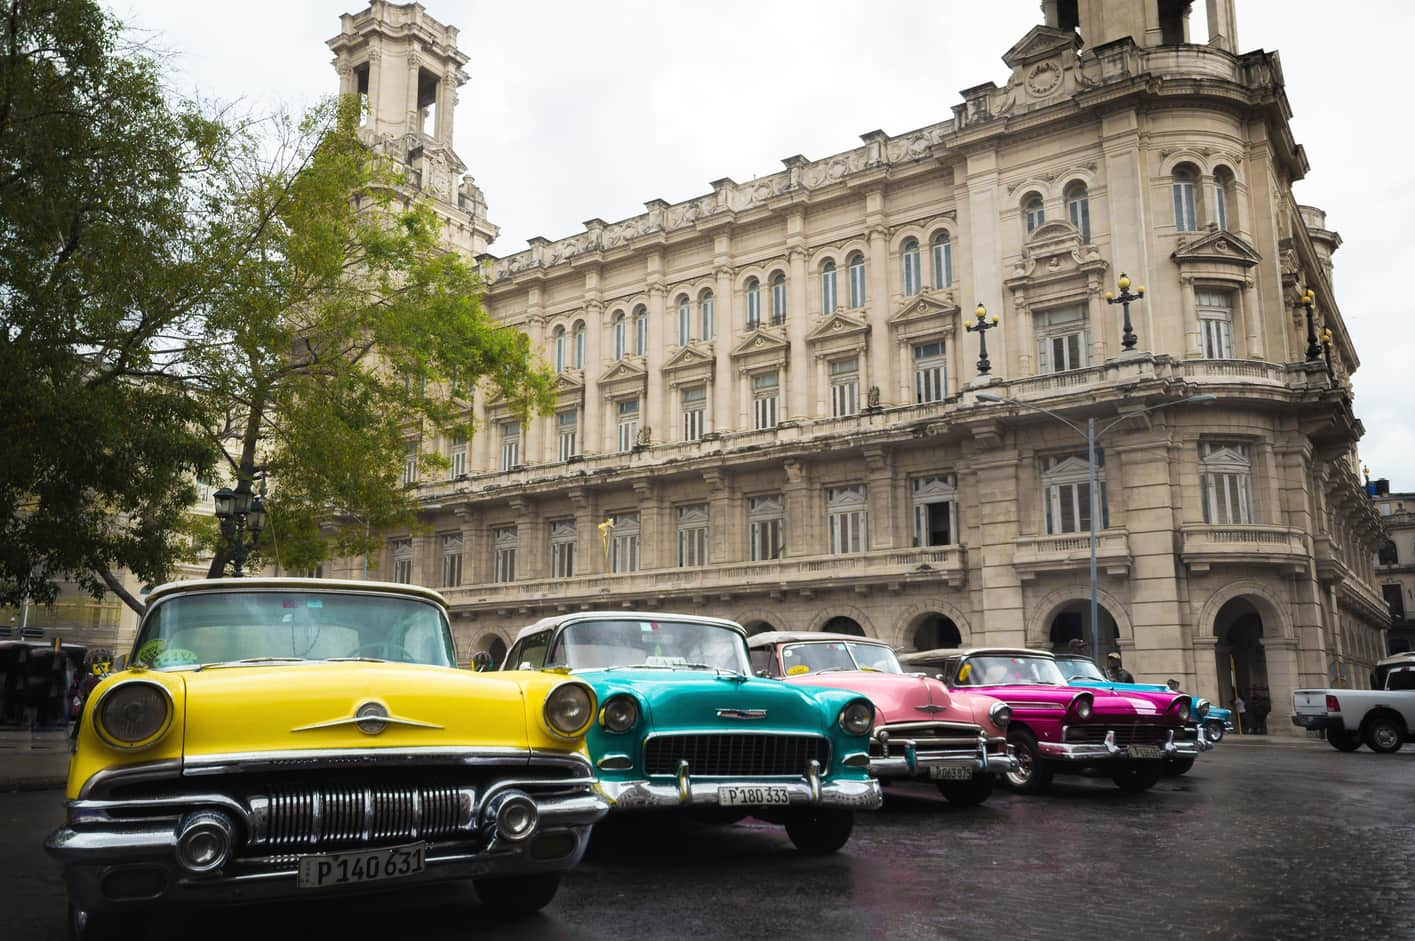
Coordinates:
x,y
355,720
642,794
290,759
101,781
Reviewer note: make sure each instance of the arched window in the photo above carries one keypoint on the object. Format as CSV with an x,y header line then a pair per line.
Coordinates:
x,y
943,260
559,349
685,320
1078,208
855,265
579,334
641,330
1223,192
1186,216
778,298
913,279
754,303
619,337
1034,212
705,315
829,298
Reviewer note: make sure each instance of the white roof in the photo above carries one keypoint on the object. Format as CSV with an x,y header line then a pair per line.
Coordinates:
x,y
302,584
771,638
557,620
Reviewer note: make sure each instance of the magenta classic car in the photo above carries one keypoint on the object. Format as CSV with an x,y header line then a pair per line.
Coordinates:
x,y
922,730
1056,728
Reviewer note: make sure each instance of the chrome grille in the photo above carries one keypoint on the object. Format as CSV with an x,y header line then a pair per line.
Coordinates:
x,y
1126,733
929,738
736,754
353,815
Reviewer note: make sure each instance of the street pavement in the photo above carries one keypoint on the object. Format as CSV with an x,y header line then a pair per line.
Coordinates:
x,y
1258,841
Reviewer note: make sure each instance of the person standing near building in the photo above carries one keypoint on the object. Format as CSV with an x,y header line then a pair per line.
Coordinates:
x,y
1240,707
1117,672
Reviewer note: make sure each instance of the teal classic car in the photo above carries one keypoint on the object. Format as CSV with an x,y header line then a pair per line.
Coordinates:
x,y
683,723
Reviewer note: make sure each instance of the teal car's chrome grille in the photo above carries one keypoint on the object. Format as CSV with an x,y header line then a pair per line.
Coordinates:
x,y
736,754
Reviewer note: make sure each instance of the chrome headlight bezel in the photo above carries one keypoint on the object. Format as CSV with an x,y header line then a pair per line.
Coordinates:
x,y
562,695
109,698
613,719
856,717
1201,708
1000,713
1082,707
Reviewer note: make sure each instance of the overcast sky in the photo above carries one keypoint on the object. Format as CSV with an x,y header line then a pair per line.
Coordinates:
x,y
578,110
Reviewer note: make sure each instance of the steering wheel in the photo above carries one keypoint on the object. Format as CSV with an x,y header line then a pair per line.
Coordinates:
x,y
387,651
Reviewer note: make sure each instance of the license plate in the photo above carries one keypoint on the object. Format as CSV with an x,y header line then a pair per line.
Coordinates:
x,y
317,872
732,795
1149,752
951,773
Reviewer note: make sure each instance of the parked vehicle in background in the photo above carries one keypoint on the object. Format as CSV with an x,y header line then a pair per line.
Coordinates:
x,y
283,738
957,740
1383,717
1056,728
684,724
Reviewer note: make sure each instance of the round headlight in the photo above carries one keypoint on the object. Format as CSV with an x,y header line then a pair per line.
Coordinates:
x,y
857,717
1082,707
133,714
1182,710
569,708
1000,713
1201,708
620,713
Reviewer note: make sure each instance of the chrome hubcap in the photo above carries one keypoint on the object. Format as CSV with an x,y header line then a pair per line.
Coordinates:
x,y
1385,737
1023,774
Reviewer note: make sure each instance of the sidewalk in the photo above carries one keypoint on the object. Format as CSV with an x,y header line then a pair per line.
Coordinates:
x,y
33,770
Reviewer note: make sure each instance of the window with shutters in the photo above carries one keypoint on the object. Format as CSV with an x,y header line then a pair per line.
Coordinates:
x,y
410,464
855,266
766,524
510,444
459,457
1034,212
403,561
559,349
567,433
1223,193
579,344
766,393
451,560
1062,339
706,318
505,540
943,260
1215,310
930,372
935,509
1066,493
778,298
562,548
628,411
847,515
685,320
1226,481
692,535
694,405
913,276
829,297
624,543
620,337
844,386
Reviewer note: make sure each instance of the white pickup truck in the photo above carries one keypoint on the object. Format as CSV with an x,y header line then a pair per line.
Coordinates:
x,y
1383,716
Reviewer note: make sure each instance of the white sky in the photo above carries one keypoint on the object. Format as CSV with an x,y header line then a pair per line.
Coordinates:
x,y
578,110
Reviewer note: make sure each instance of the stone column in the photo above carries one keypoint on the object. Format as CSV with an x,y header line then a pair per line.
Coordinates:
x,y
478,555
658,540
797,322
446,108
655,413
375,85
414,114
592,432
801,528
879,465
530,540
479,448
879,300
993,581
724,406
724,517
348,85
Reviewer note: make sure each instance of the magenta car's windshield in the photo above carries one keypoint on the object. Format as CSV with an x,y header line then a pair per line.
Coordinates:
x,y
1009,670
1080,668
824,655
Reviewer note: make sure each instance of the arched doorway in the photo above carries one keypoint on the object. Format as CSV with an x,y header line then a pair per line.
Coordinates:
x,y
496,647
1242,663
1071,624
933,631
843,625
758,627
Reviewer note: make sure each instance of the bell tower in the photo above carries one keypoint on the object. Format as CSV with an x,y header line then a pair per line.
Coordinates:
x,y
406,68
1148,23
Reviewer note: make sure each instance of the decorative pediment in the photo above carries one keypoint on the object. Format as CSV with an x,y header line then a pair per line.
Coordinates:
x,y
570,381
625,372
931,314
1055,250
694,354
760,342
1041,42
837,325
1217,247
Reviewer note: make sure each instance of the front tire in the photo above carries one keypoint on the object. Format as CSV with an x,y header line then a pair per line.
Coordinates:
x,y
967,793
517,895
1384,736
1342,740
1214,731
1178,766
1032,775
818,831
1137,777
102,926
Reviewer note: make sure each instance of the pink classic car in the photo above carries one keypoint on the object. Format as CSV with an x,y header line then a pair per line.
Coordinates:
x,y
922,730
1057,728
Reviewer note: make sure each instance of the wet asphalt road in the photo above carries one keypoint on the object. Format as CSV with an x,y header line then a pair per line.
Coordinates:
x,y
1258,841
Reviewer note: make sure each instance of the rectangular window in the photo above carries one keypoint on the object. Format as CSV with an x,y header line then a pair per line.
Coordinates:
x,y
1394,600
844,387
1062,340
410,464
451,560
766,524
935,510
1221,202
628,411
505,540
766,388
510,444
641,333
694,405
459,457
848,517
1215,309
567,428
1066,493
562,548
624,546
692,535
930,372
1226,482
403,561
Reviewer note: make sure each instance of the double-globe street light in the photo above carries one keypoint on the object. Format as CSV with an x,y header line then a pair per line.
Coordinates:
x,y
1091,434
240,512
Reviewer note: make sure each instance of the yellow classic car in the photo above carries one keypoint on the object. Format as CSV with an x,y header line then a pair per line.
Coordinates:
x,y
281,737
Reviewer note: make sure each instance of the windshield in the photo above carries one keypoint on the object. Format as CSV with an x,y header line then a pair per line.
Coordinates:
x,y
1080,668
1400,678
597,645
220,627
1020,670
821,656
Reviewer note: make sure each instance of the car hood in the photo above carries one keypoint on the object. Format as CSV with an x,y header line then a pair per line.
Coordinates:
x,y
898,697
1103,703
699,699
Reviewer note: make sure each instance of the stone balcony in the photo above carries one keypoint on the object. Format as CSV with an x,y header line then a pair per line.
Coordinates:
x,y
1033,555
681,587
1203,545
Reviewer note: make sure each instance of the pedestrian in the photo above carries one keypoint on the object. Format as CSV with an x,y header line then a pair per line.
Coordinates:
x,y
1117,672
1241,708
1173,684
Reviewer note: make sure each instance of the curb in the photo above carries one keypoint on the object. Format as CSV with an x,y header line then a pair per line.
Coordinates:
x,y
32,783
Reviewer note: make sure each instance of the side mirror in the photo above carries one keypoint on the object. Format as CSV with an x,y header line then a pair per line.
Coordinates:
x,y
481,661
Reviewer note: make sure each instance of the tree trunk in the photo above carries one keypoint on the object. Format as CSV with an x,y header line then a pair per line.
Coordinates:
x,y
123,594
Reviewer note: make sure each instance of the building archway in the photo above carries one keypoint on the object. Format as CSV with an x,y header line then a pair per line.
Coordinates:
x,y
1070,624
758,627
496,647
847,615
1241,662
840,624
932,631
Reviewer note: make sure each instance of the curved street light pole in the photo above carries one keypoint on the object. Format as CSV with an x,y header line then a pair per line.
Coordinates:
x,y
1090,434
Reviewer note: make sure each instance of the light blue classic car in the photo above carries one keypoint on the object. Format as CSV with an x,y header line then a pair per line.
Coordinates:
x,y
1083,671
683,723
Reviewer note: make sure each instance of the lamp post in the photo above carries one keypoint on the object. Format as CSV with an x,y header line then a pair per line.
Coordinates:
x,y
981,326
1091,435
1309,301
1326,351
240,512
1127,338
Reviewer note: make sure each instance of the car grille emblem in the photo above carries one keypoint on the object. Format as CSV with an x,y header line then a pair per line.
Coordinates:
x,y
370,718
741,713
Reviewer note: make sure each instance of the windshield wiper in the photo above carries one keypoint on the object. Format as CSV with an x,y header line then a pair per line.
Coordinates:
x,y
249,661
354,660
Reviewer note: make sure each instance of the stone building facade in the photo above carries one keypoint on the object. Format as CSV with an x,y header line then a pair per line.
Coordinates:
x,y
1395,563
769,393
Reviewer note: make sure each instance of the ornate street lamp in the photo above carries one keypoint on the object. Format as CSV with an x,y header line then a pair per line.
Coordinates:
x,y
1128,338
1314,352
981,326
240,512
1326,351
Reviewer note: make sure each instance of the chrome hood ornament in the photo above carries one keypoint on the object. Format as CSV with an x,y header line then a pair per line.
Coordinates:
x,y
741,713
371,718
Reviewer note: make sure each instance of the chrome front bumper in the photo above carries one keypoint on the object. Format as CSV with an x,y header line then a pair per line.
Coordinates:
x,y
910,764
1108,750
686,791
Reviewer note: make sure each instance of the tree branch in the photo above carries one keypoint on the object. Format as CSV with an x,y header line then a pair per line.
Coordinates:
x,y
117,588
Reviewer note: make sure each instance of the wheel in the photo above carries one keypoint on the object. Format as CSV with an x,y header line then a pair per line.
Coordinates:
x,y
102,926
517,895
1383,735
1032,775
1213,731
1342,740
967,793
1138,776
818,832
1175,767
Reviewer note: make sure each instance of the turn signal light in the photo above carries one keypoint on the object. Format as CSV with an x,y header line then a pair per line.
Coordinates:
x,y
1333,705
